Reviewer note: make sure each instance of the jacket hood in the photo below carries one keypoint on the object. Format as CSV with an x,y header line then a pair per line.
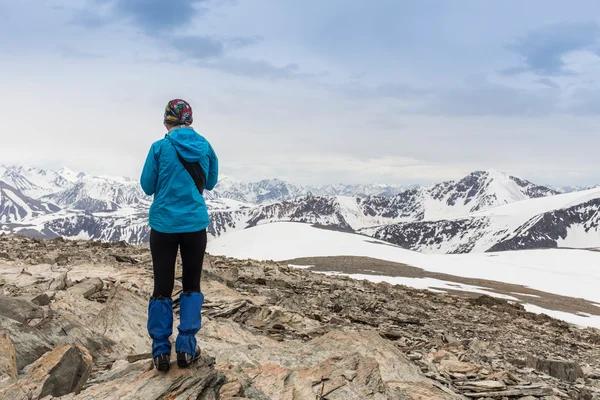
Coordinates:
x,y
189,144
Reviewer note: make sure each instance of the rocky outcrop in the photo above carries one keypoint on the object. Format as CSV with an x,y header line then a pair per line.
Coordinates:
x,y
8,360
561,369
57,373
271,332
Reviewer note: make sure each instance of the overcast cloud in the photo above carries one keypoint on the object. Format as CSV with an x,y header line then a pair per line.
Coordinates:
x,y
314,91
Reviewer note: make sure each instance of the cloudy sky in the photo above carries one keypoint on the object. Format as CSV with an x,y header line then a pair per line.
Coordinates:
x,y
310,91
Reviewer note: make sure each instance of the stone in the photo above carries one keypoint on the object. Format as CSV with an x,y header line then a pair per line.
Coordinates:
x,y
454,366
565,370
123,320
369,341
8,360
57,373
61,260
349,375
137,357
20,310
514,392
392,334
121,368
42,299
482,386
201,381
87,287
58,283
125,259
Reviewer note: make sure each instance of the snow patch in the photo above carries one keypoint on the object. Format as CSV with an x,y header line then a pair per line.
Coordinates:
x,y
583,321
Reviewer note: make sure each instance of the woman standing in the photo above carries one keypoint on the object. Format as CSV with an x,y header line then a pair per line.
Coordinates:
x,y
177,170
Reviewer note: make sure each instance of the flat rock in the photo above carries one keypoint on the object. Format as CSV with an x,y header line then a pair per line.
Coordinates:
x,y
454,366
40,299
123,320
87,287
20,310
201,381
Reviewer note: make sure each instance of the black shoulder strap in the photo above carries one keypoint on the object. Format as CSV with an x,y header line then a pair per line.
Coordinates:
x,y
195,171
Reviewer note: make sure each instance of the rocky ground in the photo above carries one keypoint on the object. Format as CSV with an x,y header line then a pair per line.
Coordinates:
x,y
526,295
73,316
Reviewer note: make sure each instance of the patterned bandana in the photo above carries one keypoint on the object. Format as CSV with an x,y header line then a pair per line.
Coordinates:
x,y
178,112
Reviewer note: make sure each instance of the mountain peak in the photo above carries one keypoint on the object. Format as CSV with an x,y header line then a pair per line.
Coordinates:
x,y
68,174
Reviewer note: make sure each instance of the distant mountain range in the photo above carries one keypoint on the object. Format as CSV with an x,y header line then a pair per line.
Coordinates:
x,y
486,210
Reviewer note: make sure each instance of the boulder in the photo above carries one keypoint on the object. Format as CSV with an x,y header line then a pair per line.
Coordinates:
x,y
57,373
565,370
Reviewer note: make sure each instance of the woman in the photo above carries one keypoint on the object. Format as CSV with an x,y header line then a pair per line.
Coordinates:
x,y
178,220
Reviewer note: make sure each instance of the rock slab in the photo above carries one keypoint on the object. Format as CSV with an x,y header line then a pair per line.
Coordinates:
x,y
57,373
8,360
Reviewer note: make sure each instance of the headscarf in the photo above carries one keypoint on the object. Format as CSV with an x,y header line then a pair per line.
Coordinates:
x,y
178,112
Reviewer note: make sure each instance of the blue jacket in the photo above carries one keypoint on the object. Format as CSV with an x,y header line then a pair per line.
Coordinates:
x,y
178,207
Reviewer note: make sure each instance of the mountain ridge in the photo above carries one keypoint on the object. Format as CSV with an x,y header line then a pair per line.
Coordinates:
x,y
448,217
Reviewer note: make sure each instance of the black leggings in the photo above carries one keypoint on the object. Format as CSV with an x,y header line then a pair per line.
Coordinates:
x,y
163,247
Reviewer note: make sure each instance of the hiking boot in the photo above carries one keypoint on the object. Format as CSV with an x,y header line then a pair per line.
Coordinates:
x,y
162,362
184,360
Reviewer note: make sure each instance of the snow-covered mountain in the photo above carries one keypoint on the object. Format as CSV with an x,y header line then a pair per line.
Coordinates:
x,y
373,190
100,194
36,182
16,207
478,191
265,191
565,220
570,189
275,190
484,210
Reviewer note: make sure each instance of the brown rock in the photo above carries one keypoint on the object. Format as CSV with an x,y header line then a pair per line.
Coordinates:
x,y
564,370
125,259
454,366
59,283
8,360
482,386
59,372
199,381
514,392
19,309
87,287
61,260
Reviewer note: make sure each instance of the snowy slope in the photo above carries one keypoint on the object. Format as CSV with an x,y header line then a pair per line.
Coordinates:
x,y
97,193
535,223
36,182
571,273
16,207
570,189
